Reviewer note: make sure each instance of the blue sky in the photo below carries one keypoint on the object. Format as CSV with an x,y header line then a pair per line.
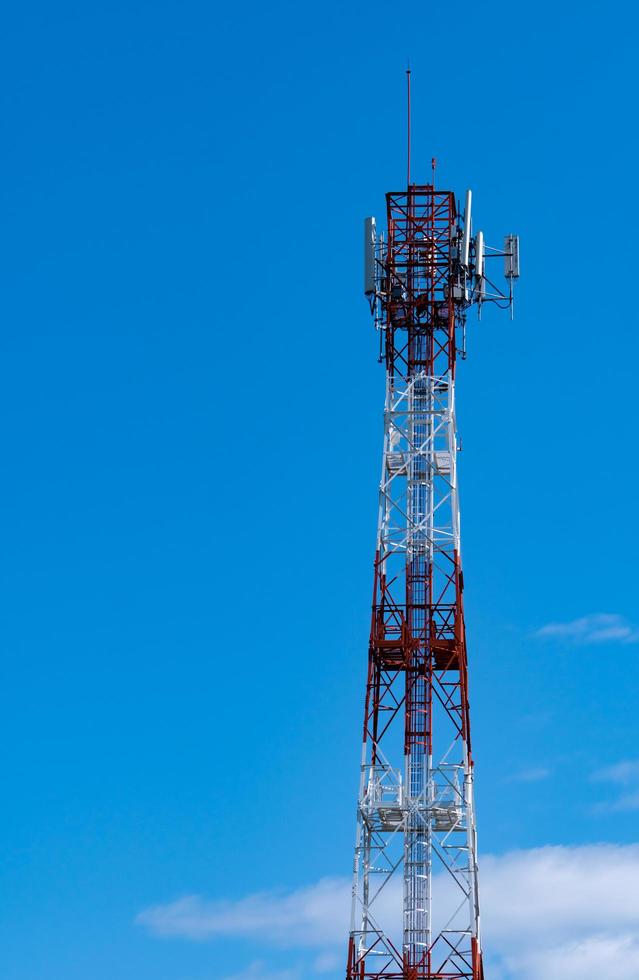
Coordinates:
x,y
191,413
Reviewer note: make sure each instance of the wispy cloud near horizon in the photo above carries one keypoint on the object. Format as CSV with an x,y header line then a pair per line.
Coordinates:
x,y
535,774
305,916
551,913
595,628
625,776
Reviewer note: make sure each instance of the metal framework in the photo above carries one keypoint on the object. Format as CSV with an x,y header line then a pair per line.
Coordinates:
x,y
415,908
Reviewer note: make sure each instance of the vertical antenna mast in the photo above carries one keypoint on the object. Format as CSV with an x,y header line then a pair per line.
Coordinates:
x,y
408,125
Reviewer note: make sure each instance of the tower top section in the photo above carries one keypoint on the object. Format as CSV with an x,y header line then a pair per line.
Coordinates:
x,y
429,266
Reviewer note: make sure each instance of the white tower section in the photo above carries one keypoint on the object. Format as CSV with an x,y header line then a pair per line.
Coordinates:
x,y
416,825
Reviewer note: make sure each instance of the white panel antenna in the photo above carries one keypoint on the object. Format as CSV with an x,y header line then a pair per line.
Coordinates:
x,y
479,255
467,228
479,263
370,241
511,256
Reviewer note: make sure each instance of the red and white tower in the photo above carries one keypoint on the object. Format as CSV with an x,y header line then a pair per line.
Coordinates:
x,y
415,909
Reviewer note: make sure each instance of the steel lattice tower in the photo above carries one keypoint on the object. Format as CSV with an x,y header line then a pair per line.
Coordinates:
x,y
415,910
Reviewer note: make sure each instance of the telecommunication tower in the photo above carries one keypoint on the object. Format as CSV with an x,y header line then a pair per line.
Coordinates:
x,y
415,905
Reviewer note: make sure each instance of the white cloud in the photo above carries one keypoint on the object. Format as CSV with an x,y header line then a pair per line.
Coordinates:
x,y
311,916
560,893
612,957
553,913
597,628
